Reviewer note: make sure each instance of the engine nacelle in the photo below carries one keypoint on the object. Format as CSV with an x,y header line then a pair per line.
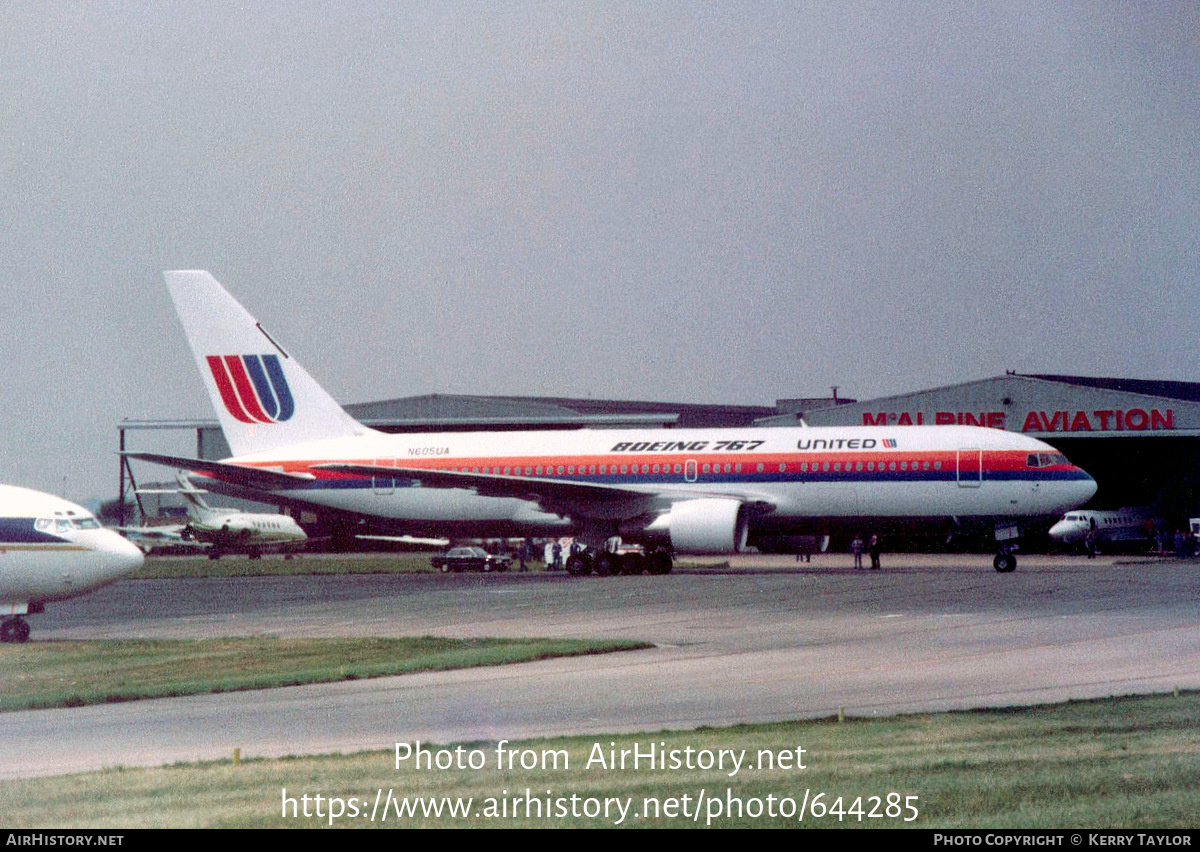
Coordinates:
x,y
704,525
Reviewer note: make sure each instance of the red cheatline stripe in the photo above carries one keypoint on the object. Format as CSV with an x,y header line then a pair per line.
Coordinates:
x,y
994,462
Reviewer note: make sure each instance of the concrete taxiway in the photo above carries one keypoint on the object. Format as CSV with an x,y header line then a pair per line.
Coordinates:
x,y
764,639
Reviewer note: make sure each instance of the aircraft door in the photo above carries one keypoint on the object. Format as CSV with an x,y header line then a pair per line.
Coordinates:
x,y
383,484
970,468
689,471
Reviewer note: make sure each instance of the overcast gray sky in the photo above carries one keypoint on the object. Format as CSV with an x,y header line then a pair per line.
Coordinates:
x,y
702,202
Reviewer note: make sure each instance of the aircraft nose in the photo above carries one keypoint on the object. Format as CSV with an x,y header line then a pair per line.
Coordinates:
x,y
1087,489
1060,530
120,556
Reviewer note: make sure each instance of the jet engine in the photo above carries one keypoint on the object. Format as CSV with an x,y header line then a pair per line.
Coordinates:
x,y
704,525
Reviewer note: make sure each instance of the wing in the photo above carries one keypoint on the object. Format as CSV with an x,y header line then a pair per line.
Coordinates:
x,y
249,477
579,499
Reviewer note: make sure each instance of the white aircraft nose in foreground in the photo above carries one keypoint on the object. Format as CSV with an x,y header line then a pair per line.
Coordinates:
x,y
670,490
51,550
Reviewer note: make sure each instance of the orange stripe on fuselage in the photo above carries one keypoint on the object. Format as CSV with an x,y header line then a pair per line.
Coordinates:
x,y
993,461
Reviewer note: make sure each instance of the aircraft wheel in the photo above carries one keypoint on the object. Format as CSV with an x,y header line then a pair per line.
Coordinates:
x,y
14,630
607,564
576,565
661,562
1005,563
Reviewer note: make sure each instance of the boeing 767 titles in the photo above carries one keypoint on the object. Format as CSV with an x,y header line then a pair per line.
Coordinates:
x,y
672,491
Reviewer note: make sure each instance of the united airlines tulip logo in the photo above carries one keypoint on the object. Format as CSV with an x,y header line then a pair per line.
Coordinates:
x,y
252,387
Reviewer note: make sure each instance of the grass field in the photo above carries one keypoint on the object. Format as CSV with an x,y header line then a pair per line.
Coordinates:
x,y
72,674
1118,763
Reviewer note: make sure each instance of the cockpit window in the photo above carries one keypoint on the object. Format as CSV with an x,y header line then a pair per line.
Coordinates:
x,y
1045,459
61,525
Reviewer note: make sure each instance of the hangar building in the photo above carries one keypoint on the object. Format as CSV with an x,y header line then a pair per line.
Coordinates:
x,y
1137,438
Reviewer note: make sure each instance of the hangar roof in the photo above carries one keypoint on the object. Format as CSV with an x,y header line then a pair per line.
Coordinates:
x,y
1171,390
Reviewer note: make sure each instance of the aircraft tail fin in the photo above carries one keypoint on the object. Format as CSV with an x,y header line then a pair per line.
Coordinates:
x,y
197,508
263,398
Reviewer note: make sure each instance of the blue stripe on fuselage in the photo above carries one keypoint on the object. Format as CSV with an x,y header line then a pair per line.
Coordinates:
x,y
23,531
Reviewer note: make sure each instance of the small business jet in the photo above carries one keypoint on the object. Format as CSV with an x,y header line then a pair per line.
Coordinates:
x,y
51,550
1130,525
671,491
150,539
233,529
219,530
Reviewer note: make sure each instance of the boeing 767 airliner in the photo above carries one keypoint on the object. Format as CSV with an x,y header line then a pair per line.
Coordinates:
x,y
672,491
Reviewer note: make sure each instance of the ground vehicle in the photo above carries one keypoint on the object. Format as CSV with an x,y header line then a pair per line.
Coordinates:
x,y
470,559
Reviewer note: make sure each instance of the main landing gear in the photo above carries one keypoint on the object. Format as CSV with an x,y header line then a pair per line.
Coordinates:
x,y
605,564
1005,562
14,630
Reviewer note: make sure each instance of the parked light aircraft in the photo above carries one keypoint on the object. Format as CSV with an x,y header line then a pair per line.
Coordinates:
x,y
673,491
1130,524
233,529
219,530
51,550
151,538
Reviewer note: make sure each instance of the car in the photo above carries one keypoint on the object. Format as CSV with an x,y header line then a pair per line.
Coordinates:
x,y
470,559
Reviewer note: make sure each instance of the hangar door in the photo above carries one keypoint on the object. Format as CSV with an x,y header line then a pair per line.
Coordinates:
x,y
970,468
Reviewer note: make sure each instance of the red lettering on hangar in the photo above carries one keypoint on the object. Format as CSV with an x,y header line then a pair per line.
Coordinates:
x,y
1103,420
990,419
